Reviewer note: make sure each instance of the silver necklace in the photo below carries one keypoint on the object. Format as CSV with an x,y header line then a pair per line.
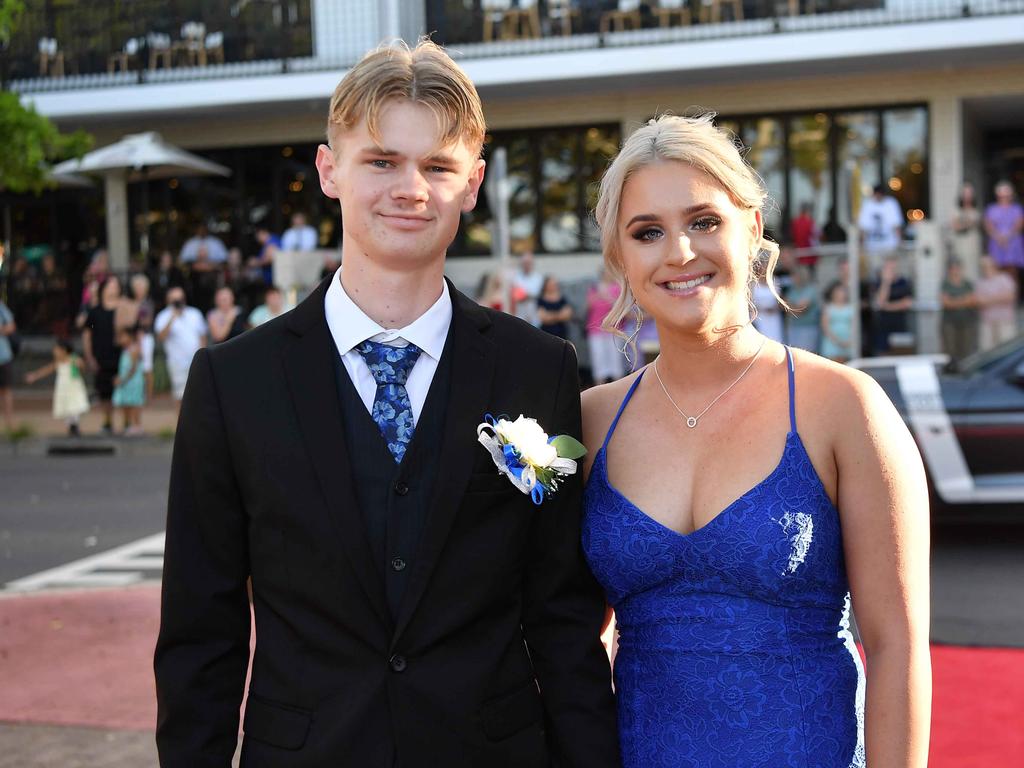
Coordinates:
x,y
691,421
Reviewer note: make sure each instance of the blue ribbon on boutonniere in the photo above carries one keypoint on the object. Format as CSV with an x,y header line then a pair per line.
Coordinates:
x,y
522,450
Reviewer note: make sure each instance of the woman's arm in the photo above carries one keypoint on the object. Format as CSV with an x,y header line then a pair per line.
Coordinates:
x,y
883,506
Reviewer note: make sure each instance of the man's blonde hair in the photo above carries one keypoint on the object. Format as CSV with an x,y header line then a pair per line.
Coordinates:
x,y
424,74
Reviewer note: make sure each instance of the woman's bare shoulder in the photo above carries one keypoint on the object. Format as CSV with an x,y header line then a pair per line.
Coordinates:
x,y
836,396
599,406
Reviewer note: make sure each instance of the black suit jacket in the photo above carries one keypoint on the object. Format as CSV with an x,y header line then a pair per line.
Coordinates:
x,y
493,658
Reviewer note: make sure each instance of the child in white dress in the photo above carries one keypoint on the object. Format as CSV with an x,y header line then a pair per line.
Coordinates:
x,y
70,398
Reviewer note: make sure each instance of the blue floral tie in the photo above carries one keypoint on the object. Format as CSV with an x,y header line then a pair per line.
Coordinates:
x,y
392,411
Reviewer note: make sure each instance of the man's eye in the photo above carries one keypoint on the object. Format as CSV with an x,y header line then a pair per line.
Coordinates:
x,y
380,163
706,223
439,169
647,235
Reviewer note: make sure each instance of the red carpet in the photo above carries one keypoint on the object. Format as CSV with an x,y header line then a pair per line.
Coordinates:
x,y
977,707
85,658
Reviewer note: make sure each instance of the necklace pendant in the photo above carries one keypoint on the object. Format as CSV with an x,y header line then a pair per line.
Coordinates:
x,y
691,422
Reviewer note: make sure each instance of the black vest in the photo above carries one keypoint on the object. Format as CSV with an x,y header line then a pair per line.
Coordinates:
x,y
394,499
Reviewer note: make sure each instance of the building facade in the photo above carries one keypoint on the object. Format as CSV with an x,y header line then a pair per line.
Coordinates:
x,y
829,96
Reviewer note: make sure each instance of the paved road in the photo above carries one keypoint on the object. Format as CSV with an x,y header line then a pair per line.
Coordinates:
x,y
55,510
104,516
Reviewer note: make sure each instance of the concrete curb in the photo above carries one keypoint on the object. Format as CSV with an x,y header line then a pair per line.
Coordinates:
x,y
58,447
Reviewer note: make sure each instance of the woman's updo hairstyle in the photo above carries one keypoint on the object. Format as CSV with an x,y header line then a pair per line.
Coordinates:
x,y
697,142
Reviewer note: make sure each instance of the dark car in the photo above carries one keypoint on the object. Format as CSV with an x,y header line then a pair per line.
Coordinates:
x,y
968,420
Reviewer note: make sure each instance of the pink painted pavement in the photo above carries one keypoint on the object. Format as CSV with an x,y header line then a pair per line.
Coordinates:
x,y
80,657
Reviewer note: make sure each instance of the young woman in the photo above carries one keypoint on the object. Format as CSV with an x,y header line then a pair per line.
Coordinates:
x,y
740,493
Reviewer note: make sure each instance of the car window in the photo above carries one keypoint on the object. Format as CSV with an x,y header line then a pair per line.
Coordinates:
x,y
980,362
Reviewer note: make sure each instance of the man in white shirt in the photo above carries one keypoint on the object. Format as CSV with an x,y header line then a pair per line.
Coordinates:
x,y
527,284
214,248
414,606
880,223
300,236
182,331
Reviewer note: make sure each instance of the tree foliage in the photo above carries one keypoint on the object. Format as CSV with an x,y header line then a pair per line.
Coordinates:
x,y
31,143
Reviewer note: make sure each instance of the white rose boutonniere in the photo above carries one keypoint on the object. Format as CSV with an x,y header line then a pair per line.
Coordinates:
x,y
532,461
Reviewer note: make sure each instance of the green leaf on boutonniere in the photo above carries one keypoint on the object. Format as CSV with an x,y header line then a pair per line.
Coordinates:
x,y
569,447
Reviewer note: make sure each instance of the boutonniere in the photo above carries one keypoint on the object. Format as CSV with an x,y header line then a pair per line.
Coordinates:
x,y
535,463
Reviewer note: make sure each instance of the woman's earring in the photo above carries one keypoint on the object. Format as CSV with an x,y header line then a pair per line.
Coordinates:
x,y
630,343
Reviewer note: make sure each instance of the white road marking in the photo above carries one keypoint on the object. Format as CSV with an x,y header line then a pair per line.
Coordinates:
x,y
118,567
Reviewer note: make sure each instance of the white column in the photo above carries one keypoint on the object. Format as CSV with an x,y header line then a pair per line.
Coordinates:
x,y
116,197
344,31
946,156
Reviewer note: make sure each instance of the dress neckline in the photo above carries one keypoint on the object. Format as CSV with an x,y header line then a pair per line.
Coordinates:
x,y
792,439
601,458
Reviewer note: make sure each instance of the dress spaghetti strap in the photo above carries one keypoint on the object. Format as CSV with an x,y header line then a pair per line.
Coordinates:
x,y
622,407
790,367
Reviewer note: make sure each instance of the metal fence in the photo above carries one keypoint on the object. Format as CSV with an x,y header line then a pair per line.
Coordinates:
x,y
85,44
74,46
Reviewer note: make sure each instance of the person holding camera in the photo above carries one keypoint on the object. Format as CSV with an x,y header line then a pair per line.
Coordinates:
x,y
182,331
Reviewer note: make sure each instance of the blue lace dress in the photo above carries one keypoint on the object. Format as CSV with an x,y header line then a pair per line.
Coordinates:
x,y
734,641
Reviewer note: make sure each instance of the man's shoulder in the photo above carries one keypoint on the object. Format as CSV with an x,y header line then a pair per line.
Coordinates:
x,y
521,339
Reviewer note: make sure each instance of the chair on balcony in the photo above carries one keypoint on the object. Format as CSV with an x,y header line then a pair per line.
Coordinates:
x,y
159,44
192,45
711,10
626,15
495,12
51,58
215,47
123,59
562,12
523,21
666,10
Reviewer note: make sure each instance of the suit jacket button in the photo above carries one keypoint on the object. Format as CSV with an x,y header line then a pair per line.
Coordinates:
x,y
398,663
401,488
398,564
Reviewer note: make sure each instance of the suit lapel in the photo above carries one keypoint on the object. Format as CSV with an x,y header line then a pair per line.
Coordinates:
x,y
309,369
472,372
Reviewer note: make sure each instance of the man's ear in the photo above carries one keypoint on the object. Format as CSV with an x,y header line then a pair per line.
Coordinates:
x,y
476,178
325,168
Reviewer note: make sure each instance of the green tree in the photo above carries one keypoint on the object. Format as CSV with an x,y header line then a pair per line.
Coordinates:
x,y
31,142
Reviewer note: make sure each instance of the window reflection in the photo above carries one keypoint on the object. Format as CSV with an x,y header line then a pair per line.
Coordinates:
x,y
810,165
905,163
763,139
858,166
560,229
553,178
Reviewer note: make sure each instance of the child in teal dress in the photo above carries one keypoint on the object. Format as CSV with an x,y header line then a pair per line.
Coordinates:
x,y
129,384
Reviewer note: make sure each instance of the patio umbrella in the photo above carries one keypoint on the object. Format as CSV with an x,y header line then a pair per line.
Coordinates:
x,y
136,157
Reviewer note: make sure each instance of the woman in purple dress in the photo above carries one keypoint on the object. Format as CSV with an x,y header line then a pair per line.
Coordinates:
x,y
1004,223
740,494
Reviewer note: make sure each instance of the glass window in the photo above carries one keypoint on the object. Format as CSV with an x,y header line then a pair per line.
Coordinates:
x,y
600,145
810,166
559,158
553,177
905,162
858,156
764,142
522,214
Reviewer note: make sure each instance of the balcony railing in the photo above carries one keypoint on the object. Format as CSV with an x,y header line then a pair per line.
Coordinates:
x,y
63,43
507,27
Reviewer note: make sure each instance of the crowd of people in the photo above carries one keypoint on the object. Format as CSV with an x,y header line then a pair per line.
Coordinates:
x,y
209,293
135,333
541,301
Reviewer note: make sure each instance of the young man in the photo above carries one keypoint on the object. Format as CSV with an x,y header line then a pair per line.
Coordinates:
x,y
413,607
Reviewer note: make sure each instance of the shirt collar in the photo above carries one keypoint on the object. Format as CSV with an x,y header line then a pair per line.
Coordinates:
x,y
350,326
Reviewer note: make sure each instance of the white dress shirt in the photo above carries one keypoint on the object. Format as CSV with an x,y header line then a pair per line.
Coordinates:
x,y
299,239
349,327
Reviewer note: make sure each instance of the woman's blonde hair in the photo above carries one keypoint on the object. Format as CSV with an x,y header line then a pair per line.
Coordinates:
x,y
697,142
424,74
